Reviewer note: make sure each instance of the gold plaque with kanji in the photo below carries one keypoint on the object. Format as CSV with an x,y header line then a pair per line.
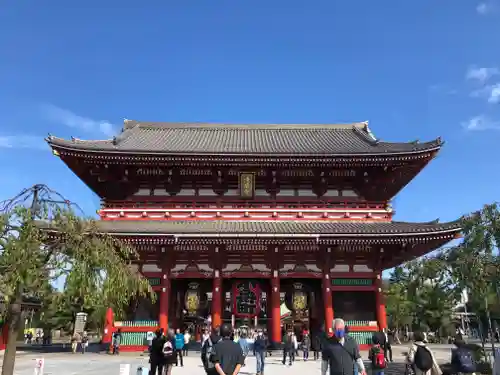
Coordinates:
x,y
247,185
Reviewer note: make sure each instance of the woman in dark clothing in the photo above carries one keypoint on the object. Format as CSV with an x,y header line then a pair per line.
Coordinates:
x,y
156,354
169,356
316,345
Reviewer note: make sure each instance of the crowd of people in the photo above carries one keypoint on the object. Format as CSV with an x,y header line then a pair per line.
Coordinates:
x,y
225,350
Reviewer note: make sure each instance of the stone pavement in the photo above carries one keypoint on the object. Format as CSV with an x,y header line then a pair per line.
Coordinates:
x,y
102,364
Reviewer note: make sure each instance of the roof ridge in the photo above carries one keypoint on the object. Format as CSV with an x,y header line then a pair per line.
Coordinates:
x,y
130,124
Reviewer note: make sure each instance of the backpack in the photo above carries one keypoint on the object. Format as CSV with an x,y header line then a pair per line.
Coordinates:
x,y
209,353
168,349
378,358
423,359
465,363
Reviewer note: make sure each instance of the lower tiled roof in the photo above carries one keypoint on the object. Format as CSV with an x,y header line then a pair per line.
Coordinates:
x,y
165,227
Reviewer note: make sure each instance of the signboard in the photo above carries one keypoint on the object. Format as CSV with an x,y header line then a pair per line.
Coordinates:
x,y
247,185
39,365
154,281
80,322
246,299
352,282
125,369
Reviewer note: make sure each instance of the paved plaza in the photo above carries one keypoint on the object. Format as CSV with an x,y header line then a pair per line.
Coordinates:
x,y
102,364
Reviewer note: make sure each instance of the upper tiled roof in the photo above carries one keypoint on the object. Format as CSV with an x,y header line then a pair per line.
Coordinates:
x,y
226,227
208,139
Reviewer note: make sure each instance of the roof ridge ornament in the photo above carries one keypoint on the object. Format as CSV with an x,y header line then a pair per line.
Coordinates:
x,y
129,124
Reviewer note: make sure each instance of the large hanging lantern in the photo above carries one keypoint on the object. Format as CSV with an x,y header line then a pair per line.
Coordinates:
x,y
246,299
192,299
296,299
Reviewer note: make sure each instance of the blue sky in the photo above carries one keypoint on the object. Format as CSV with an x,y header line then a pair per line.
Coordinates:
x,y
414,69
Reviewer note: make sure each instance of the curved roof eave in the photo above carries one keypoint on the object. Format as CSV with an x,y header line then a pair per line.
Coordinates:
x,y
82,146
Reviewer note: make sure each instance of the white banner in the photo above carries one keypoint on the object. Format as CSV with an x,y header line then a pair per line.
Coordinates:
x,y
125,369
464,296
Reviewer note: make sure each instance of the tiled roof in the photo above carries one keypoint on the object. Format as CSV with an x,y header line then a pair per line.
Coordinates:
x,y
208,139
274,227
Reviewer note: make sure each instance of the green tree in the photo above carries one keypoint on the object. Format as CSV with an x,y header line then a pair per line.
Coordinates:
x,y
474,262
94,265
421,294
397,302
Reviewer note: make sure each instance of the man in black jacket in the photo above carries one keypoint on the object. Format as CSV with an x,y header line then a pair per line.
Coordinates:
x,y
288,348
156,353
260,347
228,357
341,353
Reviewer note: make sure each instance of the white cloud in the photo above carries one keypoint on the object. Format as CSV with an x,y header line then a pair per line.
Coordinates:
x,y
485,8
489,92
23,141
482,8
72,120
481,123
481,75
494,96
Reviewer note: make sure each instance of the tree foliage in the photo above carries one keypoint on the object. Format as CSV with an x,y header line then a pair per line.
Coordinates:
x,y
425,292
94,266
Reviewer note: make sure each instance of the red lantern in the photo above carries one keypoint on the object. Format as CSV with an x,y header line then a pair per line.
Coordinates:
x,y
246,299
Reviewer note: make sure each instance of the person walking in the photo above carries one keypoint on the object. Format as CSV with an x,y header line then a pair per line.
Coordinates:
x,y
169,354
117,337
84,342
228,356
288,349
387,346
377,357
341,353
75,339
316,345
179,347
260,347
306,345
187,341
245,346
208,352
420,357
156,359
295,346
462,359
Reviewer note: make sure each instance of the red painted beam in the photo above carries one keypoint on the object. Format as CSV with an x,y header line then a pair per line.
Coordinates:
x,y
363,329
133,348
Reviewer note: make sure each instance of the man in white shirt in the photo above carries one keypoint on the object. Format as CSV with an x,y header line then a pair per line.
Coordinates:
x,y
187,339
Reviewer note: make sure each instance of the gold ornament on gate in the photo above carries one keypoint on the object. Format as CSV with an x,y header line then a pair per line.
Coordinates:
x,y
299,298
192,299
299,301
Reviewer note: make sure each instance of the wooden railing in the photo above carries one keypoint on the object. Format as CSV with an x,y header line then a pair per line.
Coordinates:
x,y
200,203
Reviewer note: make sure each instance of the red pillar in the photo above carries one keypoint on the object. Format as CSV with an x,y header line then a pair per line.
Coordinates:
x,y
275,308
217,300
108,326
380,304
164,300
328,302
4,336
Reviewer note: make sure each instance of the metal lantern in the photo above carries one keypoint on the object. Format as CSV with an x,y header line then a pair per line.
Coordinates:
x,y
192,299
